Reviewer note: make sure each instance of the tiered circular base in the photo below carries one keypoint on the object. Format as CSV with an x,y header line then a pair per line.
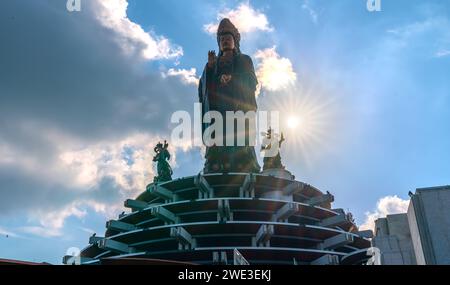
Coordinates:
x,y
220,218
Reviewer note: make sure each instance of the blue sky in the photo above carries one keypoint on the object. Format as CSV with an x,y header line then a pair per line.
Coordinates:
x,y
85,95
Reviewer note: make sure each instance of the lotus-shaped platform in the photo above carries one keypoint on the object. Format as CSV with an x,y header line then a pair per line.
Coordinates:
x,y
234,218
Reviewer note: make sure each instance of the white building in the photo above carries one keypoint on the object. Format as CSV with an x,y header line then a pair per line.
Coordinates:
x,y
420,236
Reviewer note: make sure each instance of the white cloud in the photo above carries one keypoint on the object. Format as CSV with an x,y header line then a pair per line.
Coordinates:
x,y
433,31
76,148
274,72
187,76
51,223
127,161
87,230
244,17
131,36
412,29
6,155
442,53
5,232
41,231
13,155
385,206
312,13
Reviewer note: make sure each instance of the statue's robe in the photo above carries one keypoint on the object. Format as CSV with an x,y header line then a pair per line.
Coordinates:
x,y
237,95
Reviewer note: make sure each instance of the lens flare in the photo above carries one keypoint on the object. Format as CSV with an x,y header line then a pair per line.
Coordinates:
x,y
308,119
293,122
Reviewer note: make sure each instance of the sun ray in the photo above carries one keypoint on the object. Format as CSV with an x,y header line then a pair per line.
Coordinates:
x,y
307,117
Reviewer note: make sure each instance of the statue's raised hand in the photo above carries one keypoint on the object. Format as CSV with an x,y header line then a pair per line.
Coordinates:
x,y
211,58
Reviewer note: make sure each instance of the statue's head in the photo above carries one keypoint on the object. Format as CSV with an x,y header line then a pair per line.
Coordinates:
x,y
226,42
158,147
228,36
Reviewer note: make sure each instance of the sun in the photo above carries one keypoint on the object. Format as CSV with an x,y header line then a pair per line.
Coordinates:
x,y
293,122
308,118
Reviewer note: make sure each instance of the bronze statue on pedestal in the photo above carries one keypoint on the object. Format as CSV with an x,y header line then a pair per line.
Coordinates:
x,y
163,167
272,162
228,84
